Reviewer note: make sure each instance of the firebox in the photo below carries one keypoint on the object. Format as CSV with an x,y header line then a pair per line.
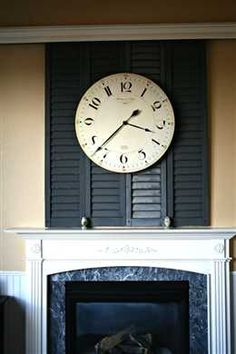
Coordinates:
x,y
163,311
127,317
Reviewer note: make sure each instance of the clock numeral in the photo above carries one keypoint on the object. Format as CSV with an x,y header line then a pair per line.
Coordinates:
x,y
89,121
126,86
106,152
142,155
156,105
143,93
94,139
95,103
108,91
155,141
161,125
123,158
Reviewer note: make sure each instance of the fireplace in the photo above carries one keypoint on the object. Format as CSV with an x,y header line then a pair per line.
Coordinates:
x,y
157,310
177,299
56,259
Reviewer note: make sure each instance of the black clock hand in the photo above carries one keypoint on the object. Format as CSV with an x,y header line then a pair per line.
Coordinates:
x,y
134,114
139,127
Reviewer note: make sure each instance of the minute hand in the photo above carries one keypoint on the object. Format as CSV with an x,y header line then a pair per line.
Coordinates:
x,y
134,114
139,127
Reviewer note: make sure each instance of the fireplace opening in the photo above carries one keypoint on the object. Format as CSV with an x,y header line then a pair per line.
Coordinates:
x,y
112,317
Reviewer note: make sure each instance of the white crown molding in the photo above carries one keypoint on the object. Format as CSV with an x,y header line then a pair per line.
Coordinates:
x,y
47,34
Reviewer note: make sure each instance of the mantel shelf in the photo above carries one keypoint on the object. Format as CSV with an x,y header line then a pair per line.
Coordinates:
x,y
186,233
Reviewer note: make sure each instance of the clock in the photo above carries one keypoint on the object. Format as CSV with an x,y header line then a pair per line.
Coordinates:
x,y
124,122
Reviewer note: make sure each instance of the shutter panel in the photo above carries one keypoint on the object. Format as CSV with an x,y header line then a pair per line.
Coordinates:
x,y
147,187
75,187
107,190
63,181
190,146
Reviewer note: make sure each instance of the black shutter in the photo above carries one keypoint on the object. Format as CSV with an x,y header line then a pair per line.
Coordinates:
x,y
190,172
107,189
75,187
147,188
63,162
176,186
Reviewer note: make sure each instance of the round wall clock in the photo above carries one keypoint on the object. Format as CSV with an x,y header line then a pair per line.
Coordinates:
x,y
124,122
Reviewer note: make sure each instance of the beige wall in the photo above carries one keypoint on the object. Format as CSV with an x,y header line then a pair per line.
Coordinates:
x,y
22,141
76,12
21,146
222,104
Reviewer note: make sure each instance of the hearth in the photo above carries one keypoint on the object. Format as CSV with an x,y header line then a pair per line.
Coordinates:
x,y
199,256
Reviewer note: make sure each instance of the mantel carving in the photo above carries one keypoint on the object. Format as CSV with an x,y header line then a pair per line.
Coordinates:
x,y
220,248
127,249
36,248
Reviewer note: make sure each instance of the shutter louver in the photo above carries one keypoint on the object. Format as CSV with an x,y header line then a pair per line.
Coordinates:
x,y
146,197
107,203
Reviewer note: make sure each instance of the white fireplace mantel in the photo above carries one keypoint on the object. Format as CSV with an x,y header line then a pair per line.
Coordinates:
x,y
202,250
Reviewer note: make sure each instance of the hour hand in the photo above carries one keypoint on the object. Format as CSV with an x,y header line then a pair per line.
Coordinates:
x,y
139,127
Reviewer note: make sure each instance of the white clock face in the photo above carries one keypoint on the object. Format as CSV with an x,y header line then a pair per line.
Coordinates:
x,y
124,122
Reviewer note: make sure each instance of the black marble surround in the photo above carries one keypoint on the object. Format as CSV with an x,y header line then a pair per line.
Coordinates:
x,y
197,299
